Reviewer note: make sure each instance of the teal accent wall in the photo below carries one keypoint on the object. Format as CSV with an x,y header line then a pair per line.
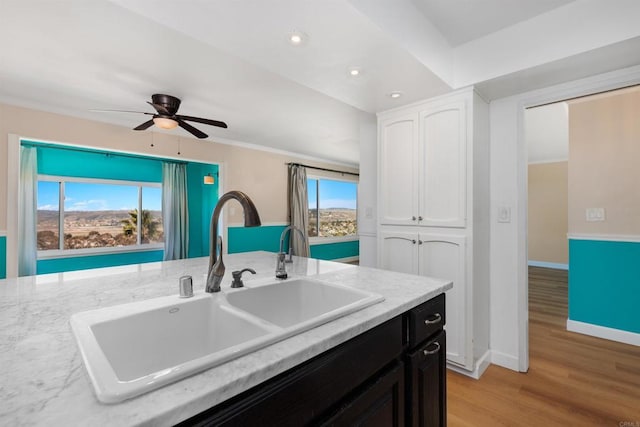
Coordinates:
x,y
57,265
336,250
54,160
96,164
202,200
247,239
3,257
604,283
267,238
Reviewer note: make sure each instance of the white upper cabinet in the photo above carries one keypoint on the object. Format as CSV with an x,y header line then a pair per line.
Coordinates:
x,y
423,167
399,180
442,169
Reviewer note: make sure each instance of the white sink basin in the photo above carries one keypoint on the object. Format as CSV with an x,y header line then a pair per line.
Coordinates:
x,y
295,302
134,348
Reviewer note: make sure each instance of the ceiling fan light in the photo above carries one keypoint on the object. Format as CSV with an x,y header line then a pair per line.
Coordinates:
x,y
165,123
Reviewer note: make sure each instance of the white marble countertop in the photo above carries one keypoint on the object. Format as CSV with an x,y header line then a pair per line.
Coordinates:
x,y
43,380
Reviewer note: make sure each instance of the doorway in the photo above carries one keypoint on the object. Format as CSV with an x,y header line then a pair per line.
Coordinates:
x,y
582,203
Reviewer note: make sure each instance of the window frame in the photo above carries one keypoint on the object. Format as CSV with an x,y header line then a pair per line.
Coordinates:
x,y
317,240
70,253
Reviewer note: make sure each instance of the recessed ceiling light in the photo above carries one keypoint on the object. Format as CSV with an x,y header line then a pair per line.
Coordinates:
x,y
355,71
297,38
395,95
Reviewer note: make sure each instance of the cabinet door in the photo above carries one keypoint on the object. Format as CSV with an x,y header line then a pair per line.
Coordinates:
x,y
398,175
426,384
442,170
398,252
444,256
379,403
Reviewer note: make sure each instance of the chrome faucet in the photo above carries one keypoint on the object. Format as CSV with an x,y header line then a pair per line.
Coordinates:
x,y
251,219
282,236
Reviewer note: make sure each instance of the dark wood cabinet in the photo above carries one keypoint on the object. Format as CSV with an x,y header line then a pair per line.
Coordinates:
x,y
426,379
374,379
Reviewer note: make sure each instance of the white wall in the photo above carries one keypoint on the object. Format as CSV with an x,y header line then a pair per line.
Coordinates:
x,y
367,191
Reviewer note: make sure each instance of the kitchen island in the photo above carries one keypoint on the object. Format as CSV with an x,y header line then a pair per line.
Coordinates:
x,y
44,381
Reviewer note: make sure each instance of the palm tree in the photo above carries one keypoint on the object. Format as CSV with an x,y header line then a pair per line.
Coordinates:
x,y
149,225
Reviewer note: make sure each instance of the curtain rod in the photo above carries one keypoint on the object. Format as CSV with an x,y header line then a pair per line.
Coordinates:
x,y
323,169
106,152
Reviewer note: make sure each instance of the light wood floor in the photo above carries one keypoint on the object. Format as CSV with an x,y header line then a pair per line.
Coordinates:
x,y
573,379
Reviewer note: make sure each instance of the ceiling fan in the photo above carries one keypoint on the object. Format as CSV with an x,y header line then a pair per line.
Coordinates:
x,y
165,117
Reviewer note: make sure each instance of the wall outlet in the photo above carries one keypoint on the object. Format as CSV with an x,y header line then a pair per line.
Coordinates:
x,y
504,214
595,214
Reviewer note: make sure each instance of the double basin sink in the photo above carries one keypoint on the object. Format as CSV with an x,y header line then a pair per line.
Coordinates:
x,y
133,348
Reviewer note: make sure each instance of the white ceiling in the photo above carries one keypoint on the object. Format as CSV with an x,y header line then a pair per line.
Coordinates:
x,y
461,21
229,60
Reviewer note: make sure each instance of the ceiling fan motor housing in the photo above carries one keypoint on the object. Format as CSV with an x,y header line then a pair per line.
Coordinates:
x,y
170,103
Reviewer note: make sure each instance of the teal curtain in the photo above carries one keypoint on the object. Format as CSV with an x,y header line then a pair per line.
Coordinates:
x,y
175,214
28,209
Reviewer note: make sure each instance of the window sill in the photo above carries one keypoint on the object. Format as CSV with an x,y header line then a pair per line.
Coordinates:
x,y
72,253
326,240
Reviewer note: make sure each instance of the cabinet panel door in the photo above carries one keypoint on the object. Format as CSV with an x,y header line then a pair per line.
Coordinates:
x,y
427,384
379,403
398,252
398,175
442,167
444,256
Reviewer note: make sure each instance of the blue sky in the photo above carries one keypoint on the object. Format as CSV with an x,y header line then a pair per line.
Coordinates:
x,y
333,194
97,197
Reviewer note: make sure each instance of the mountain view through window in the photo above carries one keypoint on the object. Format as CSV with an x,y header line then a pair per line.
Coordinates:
x,y
332,208
97,215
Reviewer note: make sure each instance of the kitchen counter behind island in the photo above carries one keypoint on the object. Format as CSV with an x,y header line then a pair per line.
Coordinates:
x,y
45,382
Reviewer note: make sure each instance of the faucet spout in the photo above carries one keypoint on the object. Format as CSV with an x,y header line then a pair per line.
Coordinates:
x,y
251,219
282,236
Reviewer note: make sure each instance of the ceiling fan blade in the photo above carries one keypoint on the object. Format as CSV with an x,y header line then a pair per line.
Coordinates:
x,y
160,109
145,125
205,121
97,110
186,126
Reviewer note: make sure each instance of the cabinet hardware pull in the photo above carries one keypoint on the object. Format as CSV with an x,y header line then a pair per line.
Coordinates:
x,y
434,351
419,218
413,241
420,242
413,218
437,319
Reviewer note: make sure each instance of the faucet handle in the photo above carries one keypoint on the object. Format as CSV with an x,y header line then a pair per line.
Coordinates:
x,y
237,277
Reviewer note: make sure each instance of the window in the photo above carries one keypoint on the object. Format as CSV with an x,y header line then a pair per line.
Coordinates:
x,y
332,207
90,214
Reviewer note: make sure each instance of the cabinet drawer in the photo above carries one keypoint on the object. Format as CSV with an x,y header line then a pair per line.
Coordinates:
x,y
425,320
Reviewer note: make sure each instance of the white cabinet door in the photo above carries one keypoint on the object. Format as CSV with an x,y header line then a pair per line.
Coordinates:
x,y
398,175
442,168
398,252
444,256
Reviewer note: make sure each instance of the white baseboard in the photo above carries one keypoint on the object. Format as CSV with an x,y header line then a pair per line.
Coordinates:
x,y
505,360
480,366
603,332
545,264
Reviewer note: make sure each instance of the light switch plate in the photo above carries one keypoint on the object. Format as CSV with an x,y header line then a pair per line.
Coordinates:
x,y
368,212
504,214
595,214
